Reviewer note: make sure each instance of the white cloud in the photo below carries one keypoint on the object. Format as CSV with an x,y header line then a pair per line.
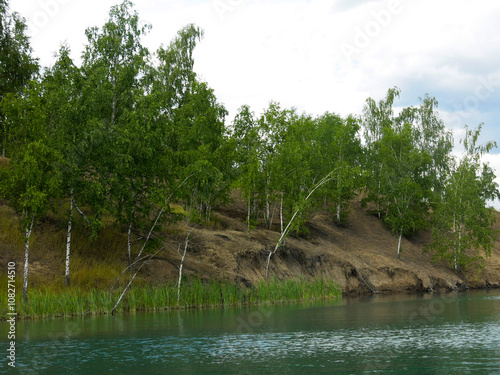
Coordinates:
x,y
292,51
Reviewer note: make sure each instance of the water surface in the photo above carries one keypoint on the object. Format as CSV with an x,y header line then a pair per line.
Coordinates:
x,y
398,334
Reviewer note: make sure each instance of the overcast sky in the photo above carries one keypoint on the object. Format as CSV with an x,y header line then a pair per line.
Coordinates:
x,y
317,55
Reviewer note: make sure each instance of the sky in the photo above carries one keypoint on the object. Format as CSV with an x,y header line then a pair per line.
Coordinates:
x,y
317,55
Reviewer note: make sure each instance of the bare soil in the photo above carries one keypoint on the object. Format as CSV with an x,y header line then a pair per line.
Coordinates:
x,y
360,258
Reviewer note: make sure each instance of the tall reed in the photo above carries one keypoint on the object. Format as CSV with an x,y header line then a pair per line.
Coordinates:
x,y
195,293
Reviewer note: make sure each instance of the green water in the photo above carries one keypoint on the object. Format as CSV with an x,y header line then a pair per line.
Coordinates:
x,y
403,334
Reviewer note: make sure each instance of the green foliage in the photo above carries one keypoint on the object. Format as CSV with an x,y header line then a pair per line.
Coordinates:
x,y
247,145
462,223
406,159
201,146
32,181
113,61
339,150
281,156
17,66
127,136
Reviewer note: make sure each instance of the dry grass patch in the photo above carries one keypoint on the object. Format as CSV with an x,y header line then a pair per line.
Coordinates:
x,y
10,234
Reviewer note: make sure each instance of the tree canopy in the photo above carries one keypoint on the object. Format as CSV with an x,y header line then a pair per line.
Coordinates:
x,y
132,132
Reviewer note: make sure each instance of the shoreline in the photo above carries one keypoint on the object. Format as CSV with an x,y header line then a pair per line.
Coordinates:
x,y
195,295
333,297
359,259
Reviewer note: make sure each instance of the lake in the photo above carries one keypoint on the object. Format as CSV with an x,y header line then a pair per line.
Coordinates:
x,y
454,333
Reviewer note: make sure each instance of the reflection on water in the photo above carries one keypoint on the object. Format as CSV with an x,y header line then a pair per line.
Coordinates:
x,y
429,334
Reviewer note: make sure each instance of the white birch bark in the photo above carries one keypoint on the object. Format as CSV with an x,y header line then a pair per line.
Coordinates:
x,y
324,180
130,282
129,243
248,215
26,259
399,241
268,214
181,266
281,213
158,217
180,271
459,248
82,214
68,238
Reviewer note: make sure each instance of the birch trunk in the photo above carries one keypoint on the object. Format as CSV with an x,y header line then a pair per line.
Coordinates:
x,y
281,213
129,243
268,224
378,200
279,242
68,237
26,259
324,180
130,282
150,232
459,248
158,217
272,211
83,215
248,215
455,245
186,242
399,242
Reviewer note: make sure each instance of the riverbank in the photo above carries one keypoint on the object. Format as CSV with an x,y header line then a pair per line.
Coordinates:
x,y
193,294
360,258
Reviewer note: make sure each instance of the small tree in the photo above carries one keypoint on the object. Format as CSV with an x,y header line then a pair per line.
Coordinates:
x,y
30,183
113,63
17,66
65,117
337,147
462,224
377,119
247,145
406,158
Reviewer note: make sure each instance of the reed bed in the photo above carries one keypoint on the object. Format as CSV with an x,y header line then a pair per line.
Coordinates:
x,y
195,293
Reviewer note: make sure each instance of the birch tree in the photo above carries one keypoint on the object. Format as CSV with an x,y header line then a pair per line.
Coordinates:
x,y
33,178
462,224
113,61
297,167
30,183
201,148
17,66
273,124
62,90
376,119
403,185
431,137
407,157
338,147
248,144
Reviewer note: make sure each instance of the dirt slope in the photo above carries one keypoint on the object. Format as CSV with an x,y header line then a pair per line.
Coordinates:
x,y
361,258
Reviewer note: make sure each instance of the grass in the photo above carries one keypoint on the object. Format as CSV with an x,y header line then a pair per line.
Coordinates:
x,y
96,264
195,293
10,235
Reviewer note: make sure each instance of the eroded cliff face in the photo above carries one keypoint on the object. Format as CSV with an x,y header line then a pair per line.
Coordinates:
x,y
361,258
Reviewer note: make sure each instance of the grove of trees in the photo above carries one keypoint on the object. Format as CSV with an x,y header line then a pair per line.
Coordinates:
x,y
132,132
